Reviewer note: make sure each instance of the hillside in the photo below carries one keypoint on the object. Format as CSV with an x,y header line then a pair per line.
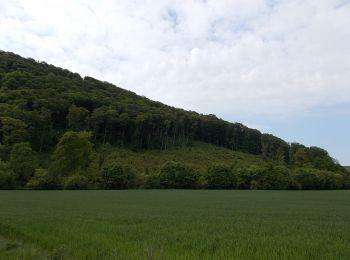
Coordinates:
x,y
44,109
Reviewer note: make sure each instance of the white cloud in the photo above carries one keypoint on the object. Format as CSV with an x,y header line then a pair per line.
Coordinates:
x,y
217,56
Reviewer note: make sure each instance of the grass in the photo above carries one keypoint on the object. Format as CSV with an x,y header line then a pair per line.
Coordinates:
x,y
10,249
167,224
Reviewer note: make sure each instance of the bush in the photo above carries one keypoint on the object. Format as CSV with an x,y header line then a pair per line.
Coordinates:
x,y
346,180
332,180
254,185
117,176
41,181
309,178
294,185
152,181
277,177
76,182
220,177
260,178
245,176
268,177
174,175
6,176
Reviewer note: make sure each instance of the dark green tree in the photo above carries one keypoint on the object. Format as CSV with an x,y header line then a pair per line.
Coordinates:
x,y
23,161
78,118
12,131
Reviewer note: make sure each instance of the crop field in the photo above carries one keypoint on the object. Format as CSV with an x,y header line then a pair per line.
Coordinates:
x,y
174,224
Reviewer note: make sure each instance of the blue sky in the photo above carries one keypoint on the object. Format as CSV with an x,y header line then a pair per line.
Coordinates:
x,y
282,66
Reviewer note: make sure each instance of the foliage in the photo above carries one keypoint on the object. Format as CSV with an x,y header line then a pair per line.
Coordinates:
x,y
152,181
268,177
220,177
72,153
278,177
76,182
12,131
42,180
117,176
311,178
6,176
275,148
78,118
175,175
23,161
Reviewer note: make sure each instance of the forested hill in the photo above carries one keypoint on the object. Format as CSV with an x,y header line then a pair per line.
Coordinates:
x,y
40,102
47,101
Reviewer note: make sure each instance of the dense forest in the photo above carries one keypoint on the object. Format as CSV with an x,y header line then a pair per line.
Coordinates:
x,y
54,124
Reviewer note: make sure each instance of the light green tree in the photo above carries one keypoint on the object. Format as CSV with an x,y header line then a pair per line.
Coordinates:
x,y
72,154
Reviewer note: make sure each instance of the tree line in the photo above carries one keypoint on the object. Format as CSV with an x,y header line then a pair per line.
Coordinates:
x,y
67,168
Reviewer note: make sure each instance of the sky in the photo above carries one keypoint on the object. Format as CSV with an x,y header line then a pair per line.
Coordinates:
x,y
281,66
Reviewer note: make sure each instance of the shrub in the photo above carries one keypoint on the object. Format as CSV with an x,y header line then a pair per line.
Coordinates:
x,y
117,176
260,177
243,178
174,175
294,185
220,177
152,181
254,185
76,182
276,177
41,180
309,178
346,180
268,177
6,176
332,180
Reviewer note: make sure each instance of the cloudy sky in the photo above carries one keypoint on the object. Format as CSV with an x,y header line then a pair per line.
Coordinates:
x,y
280,66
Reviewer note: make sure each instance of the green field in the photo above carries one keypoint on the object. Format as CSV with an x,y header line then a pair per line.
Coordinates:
x,y
168,224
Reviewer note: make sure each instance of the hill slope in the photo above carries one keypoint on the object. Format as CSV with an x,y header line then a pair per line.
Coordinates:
x,y
39,103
